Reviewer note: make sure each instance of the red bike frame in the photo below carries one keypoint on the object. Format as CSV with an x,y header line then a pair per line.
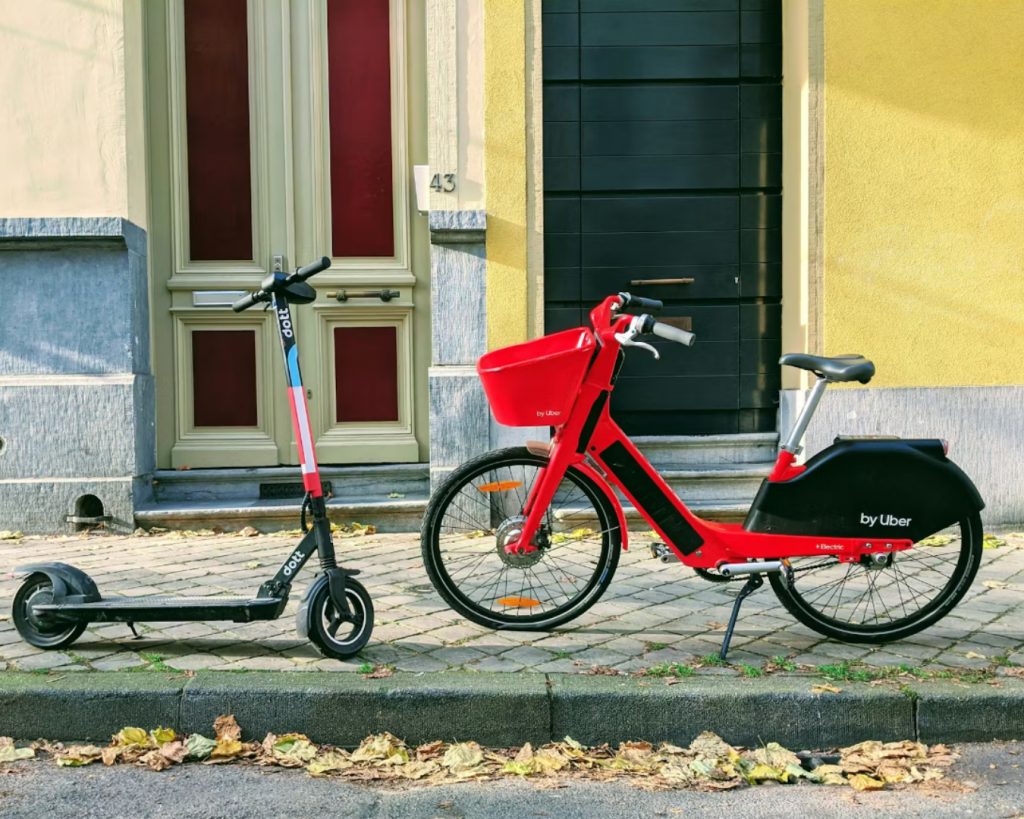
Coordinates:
x,y
593,443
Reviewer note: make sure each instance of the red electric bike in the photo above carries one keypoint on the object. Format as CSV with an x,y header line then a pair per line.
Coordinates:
x,y
529,537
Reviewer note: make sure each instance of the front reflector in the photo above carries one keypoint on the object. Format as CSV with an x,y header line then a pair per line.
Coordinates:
x,y
945,447
500,486
519,602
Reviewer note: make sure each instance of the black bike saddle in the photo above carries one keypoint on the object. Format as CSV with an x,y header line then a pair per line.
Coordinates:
x,y
837,368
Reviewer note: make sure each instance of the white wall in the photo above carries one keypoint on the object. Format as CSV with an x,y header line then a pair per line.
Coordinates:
x,y
64,103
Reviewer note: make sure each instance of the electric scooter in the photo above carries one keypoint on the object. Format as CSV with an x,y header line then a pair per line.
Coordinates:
x,y
56,601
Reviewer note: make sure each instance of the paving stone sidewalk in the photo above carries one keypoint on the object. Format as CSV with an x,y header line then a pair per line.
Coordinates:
x,y
653,613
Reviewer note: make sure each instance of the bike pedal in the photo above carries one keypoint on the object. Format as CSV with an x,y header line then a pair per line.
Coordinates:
x,y
661,552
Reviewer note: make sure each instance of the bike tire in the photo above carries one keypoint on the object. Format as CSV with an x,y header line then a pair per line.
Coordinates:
x,y
959,581
434,551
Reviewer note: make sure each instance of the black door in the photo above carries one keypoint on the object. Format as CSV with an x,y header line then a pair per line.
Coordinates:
x,y
663,165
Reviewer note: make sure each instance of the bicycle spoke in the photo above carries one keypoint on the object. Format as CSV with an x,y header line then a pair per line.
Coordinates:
x,y
563,570
878,597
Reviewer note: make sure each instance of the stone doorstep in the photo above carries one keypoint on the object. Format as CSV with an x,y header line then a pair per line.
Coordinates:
x,y
502,709
387,514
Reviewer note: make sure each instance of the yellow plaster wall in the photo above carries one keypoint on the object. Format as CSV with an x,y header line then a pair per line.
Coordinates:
x,y
505,171
924,188
64,99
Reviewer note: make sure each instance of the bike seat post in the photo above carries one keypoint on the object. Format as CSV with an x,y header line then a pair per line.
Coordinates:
x,y
792,444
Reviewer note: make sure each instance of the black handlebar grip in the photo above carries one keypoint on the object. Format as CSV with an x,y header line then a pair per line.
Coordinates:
x,y
312,269
630,301
246,302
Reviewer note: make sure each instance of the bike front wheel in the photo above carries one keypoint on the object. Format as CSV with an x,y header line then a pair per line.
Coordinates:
x,y
480,509
885,599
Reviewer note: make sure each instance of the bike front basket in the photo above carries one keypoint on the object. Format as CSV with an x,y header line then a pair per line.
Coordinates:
x,y
535,384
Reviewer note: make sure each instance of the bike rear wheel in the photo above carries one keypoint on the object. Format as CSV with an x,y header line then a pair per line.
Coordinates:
x,y
900,595
477,511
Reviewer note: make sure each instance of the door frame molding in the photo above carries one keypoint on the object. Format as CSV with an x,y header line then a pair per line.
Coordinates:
x,y
313,207
259,158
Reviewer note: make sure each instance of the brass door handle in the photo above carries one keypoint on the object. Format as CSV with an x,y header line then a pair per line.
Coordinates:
x,y
383,295
642,282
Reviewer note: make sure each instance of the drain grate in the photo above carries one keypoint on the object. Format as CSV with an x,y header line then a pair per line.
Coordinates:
x,y
282,491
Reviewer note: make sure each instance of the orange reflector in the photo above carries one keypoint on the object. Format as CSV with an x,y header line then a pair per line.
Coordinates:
x,y
519,602
500,486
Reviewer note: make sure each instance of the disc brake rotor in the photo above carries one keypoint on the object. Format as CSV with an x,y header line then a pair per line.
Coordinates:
x,y
510,532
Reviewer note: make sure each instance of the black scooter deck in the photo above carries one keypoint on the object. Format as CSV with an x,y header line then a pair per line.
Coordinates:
x,y
155,609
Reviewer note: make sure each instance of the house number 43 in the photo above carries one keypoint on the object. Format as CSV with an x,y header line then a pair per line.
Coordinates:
x,y
443,182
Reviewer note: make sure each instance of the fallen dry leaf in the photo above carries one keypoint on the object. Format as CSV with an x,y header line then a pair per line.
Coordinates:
x,y
227,728
463,757
78,755
8,753
825,688
863,782
973,655
248,531
380,671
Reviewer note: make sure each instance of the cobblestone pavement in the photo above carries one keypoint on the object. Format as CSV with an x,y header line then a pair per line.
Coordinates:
x,y
653,613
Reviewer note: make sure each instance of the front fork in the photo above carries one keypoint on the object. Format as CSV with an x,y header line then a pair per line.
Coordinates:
x,y
541,496
317,539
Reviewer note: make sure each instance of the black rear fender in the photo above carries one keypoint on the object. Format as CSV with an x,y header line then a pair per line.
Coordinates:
x,y
70,585
868,488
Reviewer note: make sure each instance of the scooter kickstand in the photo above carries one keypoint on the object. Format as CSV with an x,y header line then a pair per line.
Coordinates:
x,y
754,582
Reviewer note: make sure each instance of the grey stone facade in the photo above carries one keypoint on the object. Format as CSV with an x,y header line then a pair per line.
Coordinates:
x,y
984,425
459,415
77,400
461,424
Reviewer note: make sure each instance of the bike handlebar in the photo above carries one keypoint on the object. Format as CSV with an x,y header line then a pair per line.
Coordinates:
x,y
630,301
670,333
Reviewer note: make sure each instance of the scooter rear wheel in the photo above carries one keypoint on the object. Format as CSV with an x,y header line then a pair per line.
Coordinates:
x,y
332,636
902,594
38,589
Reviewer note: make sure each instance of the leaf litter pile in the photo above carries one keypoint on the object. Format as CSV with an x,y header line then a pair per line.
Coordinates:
x,y
709,763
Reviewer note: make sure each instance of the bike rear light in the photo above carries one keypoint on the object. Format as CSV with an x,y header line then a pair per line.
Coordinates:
x,y
945,447
519,602
500,486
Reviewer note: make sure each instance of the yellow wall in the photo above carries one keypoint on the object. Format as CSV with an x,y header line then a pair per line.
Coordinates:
x,y
67,131
505,171
924,188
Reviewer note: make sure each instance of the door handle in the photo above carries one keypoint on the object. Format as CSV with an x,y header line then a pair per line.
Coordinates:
x,y
642,282
383,295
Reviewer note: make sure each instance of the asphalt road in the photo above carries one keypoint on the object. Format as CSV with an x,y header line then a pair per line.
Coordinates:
x,y
241,792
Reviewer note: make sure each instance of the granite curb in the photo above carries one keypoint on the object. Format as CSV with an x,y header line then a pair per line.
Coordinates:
x,y
502,710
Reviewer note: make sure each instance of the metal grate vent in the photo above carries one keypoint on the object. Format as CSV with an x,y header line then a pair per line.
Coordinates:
x,y
281,491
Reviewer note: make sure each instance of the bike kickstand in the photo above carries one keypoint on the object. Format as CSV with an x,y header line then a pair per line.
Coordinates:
x,y
754,582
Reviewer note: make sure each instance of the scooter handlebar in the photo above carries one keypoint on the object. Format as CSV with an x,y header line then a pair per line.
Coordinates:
x,y
311,269
247,301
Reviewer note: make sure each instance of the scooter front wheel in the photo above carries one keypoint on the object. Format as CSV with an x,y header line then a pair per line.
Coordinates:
x,y
888,597
38,590
333,636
